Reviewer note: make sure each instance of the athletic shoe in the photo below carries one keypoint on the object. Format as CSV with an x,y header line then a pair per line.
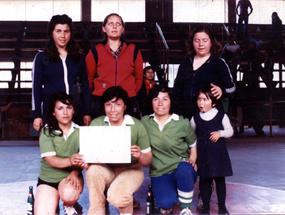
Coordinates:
x,y
69,210
186,211
223,211
162,211
78,208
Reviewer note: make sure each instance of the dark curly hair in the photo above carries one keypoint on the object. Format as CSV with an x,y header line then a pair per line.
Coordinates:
x,y
118,93
52,123
72,47
216,46
153,93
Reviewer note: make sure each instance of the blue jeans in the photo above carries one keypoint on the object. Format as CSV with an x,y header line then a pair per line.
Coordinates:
x,y
242,17
165,187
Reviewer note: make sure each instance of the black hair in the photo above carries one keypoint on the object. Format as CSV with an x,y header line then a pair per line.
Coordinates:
x,y
118,93
208,93
105,37
252,43
201,28
52,123
72,47
147,68
269,52
153,93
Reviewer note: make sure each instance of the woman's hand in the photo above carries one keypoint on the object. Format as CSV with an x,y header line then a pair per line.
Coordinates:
x,y
215,135
217,91
136,151
143,158
78,160
193,163
73,179
38,123
87,120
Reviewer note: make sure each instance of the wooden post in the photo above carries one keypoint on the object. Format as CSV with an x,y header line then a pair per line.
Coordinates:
x,y
85,10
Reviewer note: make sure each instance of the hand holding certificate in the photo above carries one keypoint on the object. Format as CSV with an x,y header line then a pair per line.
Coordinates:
x,y
105,144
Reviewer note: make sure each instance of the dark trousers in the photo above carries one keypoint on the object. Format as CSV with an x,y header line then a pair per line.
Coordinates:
x,y
242,17
205,187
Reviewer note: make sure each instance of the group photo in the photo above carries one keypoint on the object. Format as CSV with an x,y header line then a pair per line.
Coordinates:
x,y
142,107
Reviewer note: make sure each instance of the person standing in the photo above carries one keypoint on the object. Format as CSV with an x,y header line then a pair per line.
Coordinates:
x,y
60,67
114,62
148,84
276,41
212,126
231,53
243,14
199,69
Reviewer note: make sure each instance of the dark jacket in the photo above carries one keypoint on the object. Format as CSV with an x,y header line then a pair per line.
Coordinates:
x,y
188,82
48,78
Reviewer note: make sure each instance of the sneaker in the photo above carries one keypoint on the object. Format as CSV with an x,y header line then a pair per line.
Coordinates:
x,y
69,210
186,211
162,211
200,204
78,208
223,211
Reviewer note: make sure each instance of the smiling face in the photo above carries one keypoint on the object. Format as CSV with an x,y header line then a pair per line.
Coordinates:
x,y
115,111
204,103
61,35
63,113
202,44
114,27
161,104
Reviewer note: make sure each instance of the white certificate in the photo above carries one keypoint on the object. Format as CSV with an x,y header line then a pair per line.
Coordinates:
x,y
105,144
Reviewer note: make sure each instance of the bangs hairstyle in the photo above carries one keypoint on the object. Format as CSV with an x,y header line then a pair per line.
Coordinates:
x,y
105,37
118,93
153,93
208,93
147,68
201,28
52,123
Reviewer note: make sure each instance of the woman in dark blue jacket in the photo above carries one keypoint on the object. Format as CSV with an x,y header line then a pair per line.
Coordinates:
x,y
60,67
199,69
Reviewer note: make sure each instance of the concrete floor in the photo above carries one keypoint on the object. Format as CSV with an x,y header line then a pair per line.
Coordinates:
x,y
257,187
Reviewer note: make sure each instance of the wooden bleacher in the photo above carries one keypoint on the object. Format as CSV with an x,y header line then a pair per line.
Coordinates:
x,y
21,40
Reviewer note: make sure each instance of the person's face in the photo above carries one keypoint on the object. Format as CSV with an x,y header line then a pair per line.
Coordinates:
x,y
202,44
204,103
114,27
161,104
149,74
115,111
63,113
61,35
